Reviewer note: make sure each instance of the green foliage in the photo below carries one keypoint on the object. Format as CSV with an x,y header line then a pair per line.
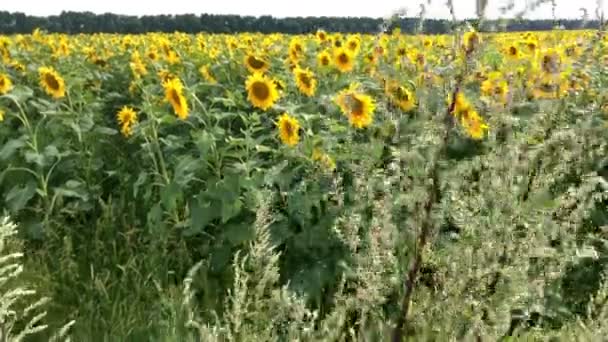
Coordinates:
x,y
271,243
21,312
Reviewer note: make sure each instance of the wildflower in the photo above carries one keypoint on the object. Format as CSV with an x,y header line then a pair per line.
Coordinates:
x,y
262,91
343,59
296,50
401,96
5,84
206,74
321,36
137,66
495,87
473,124
512,52
289,128
255,64
305,81
52,82
353,44
471,40
551,61
357,106
324,159
174,94
323,58
126,117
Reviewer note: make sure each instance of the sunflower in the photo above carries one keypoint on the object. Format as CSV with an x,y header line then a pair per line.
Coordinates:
x,y
52,83
572,51
323,58
512,52
5,84
172,57
17,66
174,94
1,115
427,43
401,51
471,41
280,84
305,80
256,64
321,36
353,44
138,68
549,86
296,50
261,91
343,59
473,124
126,117
357,106
289,128
206,74
551,61
152,54
165,75
324,159
532,45
401,96
461,104
495,86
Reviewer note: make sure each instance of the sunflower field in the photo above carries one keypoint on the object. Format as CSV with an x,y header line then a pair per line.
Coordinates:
x,y
320,187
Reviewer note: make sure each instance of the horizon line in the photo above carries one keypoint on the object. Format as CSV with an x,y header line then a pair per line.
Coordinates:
x,y
291,17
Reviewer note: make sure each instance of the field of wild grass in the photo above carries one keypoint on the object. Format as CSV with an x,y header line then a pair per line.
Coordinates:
x,y
322,187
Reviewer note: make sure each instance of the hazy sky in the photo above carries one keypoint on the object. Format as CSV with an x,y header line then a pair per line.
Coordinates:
x,y
287,8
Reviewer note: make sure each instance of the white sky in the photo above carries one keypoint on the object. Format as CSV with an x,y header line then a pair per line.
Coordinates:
x,y
290,8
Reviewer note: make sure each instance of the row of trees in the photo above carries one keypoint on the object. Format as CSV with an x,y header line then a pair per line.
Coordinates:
x,y
87,22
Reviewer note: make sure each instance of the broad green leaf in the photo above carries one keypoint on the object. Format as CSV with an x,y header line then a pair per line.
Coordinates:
x,y
238,233
231,209
10,147
170,195
19,195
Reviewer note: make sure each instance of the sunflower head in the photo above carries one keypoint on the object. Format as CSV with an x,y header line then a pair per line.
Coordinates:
x,y
343,60
165,75
427,43
52,83
353,44
321,36
551,61
474,124
261,91
126,118
357,106
512,52
289,130
174,94
323,159
401,96
296,50
5,84
323,59
471,41
152,54
305,81
531,44
460,105
206,74
256,64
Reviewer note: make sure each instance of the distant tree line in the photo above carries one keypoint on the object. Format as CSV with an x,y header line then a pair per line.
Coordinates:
x,y
87,22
